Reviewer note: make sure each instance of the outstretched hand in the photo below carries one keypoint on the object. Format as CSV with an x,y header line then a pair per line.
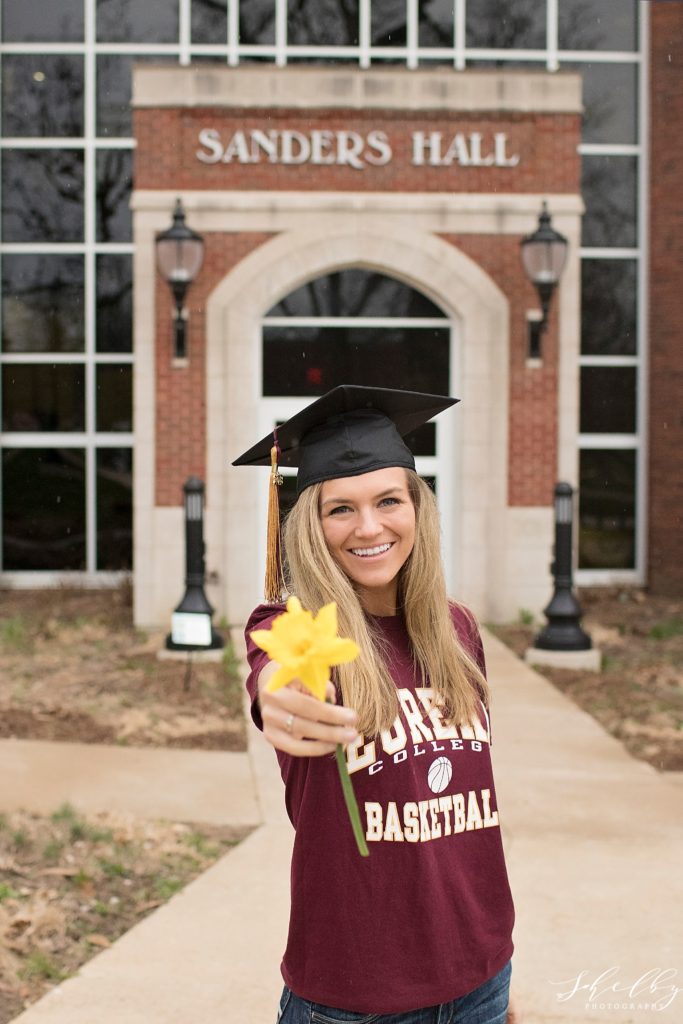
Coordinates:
x,y
297,723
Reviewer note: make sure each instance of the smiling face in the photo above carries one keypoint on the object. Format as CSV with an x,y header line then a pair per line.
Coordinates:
x,y
369,525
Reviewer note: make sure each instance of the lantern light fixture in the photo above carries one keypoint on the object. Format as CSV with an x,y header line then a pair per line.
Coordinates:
x,y
544,254
179,256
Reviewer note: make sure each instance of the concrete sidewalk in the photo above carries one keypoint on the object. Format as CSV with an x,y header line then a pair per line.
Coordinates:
x,y
594,844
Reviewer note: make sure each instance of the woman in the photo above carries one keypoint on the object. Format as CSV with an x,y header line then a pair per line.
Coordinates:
x,y
420,931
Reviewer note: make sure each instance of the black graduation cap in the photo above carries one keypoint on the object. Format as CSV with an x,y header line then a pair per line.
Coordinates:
x,y
349,431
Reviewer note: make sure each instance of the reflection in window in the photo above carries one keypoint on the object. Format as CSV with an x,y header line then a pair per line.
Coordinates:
x,y
598,24
114,397
42,195
114,508
209,21
311,360
388,24
42,308
322,22
114,303
43,397
356,293
42,94
608,399
608,307
610,100
114,171
31,21
505,24
114,79
609,189
43,516
436,23
137,21
257,22
607,504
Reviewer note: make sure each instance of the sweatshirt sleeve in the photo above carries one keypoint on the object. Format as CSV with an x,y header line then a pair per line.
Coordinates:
x,y
261,618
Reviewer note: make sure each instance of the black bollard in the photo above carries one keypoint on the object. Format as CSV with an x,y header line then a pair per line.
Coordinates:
x,y
563,631
191,627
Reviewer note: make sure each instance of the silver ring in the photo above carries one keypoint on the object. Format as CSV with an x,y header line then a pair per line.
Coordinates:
x,y
289,723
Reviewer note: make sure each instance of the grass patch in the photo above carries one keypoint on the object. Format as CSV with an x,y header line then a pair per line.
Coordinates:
x,y
14,634
40,965
666,630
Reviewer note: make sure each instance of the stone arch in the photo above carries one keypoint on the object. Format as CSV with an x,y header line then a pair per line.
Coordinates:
x,y
451,279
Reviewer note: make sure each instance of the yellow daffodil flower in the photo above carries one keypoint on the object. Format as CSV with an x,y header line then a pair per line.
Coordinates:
x,y
305,647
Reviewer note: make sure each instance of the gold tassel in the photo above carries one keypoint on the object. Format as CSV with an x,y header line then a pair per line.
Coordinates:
x,y
274,584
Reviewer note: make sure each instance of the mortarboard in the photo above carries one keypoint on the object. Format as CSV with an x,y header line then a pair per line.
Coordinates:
x,y
348,431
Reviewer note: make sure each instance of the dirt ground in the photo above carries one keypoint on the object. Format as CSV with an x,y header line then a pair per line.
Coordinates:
x,y
71,885
638,695
73,667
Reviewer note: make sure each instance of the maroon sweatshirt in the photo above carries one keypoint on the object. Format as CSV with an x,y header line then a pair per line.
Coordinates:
x,y
428,916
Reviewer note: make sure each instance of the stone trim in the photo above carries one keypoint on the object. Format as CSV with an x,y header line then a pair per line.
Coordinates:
x,y
351,89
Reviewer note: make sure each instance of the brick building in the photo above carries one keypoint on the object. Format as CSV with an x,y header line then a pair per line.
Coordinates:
x,y
362,224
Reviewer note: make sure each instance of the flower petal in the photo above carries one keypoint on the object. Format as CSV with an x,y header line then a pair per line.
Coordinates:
x,y
280,678
326,620
315,675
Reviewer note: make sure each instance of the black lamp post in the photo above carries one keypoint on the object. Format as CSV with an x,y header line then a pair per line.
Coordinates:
x,y
563,631
544,254
191,628
180,254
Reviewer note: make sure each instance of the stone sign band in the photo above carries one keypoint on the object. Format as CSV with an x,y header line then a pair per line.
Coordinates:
x,y
323,146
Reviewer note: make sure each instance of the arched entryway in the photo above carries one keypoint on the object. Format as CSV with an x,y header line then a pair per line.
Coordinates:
x,y
357,326
475,311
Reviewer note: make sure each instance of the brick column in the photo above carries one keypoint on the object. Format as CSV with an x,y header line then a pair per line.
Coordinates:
x,y
666,301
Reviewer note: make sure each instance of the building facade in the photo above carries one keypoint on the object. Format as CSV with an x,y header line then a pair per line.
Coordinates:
x,y
362,181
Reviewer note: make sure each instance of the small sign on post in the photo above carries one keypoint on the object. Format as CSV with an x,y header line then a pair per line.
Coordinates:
x,y
191,627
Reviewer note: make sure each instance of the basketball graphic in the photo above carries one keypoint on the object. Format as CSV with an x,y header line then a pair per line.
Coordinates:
x,y
439,774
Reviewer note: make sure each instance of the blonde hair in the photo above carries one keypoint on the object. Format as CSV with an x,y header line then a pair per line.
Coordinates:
x,y
440,659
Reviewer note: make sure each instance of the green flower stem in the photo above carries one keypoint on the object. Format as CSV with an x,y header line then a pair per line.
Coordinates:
x,y
351,804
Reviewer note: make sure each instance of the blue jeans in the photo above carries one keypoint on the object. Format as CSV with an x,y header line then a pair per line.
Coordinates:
x,y
485,1005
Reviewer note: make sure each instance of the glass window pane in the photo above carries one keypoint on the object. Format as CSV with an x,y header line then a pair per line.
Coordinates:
x,y
607,509
609,295
608,399
311,360
114,83
43,397
43,509
114,508
388,23
322,22
257,22
505,24
114,397
356,293
609,189
31,21
114,303
598,24
209,21
610,101
114,174
423,440
42,305
436,23
42,195
137,21
42,94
